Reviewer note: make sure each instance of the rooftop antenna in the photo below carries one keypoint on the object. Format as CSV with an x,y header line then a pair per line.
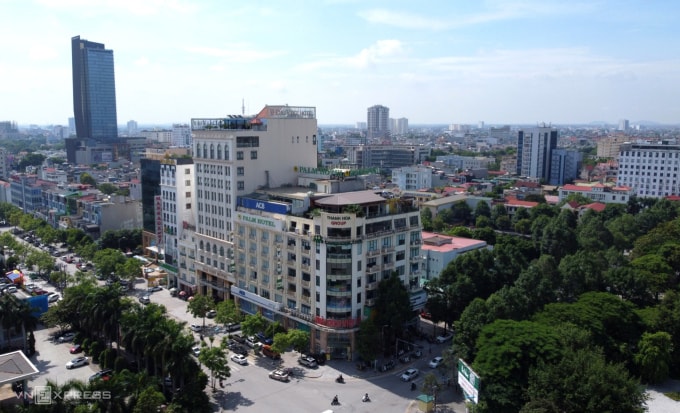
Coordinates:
x,y
243,107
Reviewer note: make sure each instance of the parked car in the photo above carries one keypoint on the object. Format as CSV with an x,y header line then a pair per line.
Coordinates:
x,y
11,289
239,359
232,327
262,338
211,314
66,337
269,352
145,299
388,366
443,338
196,327
251,341
279,375
196,350
77,348
308,361
436,362
102,374
53,298
153,289
409,375
239,349
77,362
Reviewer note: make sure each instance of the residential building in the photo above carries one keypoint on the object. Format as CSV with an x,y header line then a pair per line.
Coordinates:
x,y
439,250
412,177
464,163
610,146
398,126
378,122
132,128
4,164
650,169
565,165
94,90
607,194
181,135
158,135
534,147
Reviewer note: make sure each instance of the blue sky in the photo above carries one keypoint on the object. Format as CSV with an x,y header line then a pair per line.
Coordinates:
x,y
445,61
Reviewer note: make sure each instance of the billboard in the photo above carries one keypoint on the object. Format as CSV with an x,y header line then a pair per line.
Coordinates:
x,y
274,207
468,381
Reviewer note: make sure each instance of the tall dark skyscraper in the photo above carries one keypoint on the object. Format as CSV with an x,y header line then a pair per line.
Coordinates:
x,y
94,91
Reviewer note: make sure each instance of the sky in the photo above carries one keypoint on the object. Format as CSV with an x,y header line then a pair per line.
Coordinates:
x,y
432,62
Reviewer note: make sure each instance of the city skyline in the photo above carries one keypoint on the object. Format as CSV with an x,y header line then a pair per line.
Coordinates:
x,y
501,62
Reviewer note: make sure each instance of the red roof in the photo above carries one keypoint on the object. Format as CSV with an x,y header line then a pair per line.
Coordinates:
x,y
517,202
596,206
570,187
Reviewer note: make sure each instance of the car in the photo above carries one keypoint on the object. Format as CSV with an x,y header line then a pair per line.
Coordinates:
x,y
409,374
262,338
251,341
279,375
77,362
211,314
30,287
66,337
308,361
443,338
238,349
232,327
196,350
145,299
102,374
40,291
436,362
11,289
239,358
196,327
53,298
77,348
153,289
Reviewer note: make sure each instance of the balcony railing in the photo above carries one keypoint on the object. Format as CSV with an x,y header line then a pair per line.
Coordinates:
x,y
372,253
339,293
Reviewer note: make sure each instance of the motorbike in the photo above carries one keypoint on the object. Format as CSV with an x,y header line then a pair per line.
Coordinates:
x,y
366,399
339,379
335,401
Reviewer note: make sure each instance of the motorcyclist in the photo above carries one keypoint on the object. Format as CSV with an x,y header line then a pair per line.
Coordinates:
x,y
366,398
340,379
335,400
413,386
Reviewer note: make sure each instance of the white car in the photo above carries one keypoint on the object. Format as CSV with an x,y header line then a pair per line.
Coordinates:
x,y
436,362
196,327
196,350
409,374
240,359
443,338
77,362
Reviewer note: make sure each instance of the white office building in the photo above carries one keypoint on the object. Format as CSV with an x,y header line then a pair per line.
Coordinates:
x,y
650,169
411,178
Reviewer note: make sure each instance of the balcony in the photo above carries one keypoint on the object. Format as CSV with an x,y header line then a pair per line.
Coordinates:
x,y
338,292
385,250
305,299
305,267
372,286
370,302
416,242
388,265
305,283
339,308
373,253
338,277
372,269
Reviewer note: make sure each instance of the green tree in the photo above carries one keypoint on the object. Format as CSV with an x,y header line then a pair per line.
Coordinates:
x,y
149,400
426,218
200,305
506,352
653,357
252,324
393,304
214,358
582,381
482,209
107,188
227,312
107,261
368,340
87,179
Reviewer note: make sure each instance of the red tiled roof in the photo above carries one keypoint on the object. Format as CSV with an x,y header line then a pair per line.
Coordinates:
x,y
596,206
570,187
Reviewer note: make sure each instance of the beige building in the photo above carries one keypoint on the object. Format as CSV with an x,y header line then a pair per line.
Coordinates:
x,y
610,146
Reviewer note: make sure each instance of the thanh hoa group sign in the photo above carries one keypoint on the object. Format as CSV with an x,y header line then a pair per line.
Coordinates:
x,y
468,381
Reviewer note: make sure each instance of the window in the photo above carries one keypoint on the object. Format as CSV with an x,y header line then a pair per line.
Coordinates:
x,y
240,185
239,155
253,154
187,194
240,171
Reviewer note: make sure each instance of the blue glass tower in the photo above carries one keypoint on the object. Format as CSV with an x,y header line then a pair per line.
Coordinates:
x,y
94,91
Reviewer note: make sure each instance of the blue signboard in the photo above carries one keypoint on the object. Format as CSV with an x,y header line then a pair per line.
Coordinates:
x,y
274,207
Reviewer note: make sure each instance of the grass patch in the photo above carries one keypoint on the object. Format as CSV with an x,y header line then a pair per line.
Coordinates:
x,y
673,395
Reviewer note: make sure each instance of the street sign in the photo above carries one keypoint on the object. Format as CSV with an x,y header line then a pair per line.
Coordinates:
x,y
468,381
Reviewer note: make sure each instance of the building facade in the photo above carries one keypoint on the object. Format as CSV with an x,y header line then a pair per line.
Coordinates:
x,y
534,151
650,169
378,122
94,90
565,165
412,178
313,261
607,194
234,156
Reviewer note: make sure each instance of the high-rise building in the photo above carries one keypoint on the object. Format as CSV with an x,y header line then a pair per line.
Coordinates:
x,y
181,135
565,165
132,128
624,125
94,91
378,122
650,168
534,147
234,156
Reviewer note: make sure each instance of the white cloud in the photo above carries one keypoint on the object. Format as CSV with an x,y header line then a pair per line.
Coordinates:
x,y
403,20
134,7
240,54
